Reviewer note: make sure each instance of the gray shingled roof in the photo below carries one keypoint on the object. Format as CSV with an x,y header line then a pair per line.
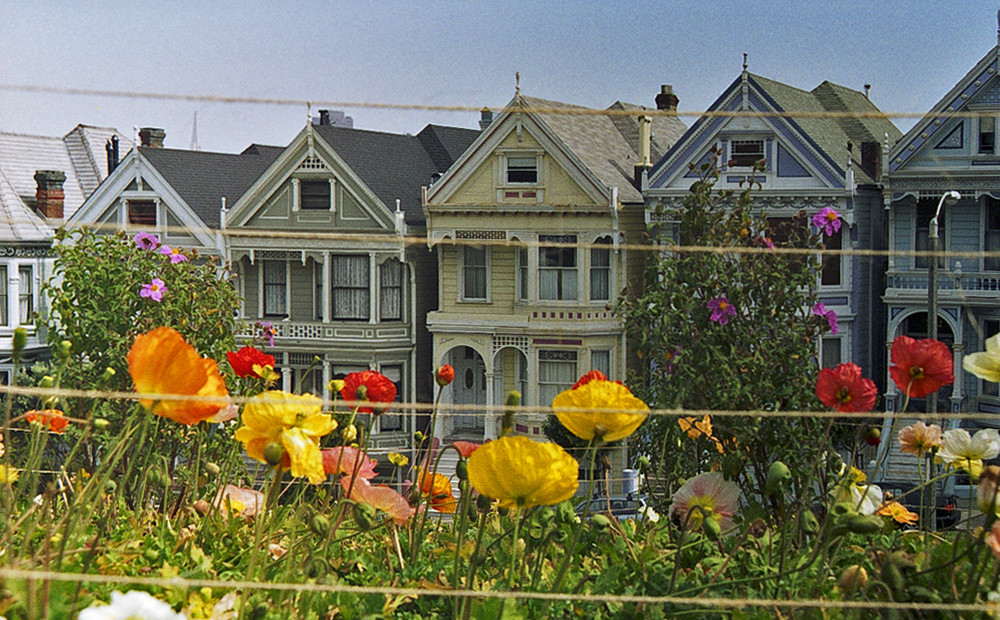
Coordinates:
x,y
831,134
596,141
202,178
398,165
665,130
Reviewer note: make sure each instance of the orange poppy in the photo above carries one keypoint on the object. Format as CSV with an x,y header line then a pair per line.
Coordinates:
x,y
161,362
438,487
51,419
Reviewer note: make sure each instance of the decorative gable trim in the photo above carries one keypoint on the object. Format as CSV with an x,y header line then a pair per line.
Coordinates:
x,y
974,85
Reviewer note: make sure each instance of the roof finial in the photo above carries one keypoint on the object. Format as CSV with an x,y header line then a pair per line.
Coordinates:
x,y
744,61
309,113
998,26
517,83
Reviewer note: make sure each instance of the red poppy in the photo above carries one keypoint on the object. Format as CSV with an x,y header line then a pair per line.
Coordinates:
x,y
246,358
51,419
593,375
920,366
370,386
444,375
465,448
844,389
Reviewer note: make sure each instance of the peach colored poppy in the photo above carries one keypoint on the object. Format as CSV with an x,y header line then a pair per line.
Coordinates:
x,y
380,497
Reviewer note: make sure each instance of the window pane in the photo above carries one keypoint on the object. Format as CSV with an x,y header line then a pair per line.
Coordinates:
x,y
142,212
746,152
831,352
600,274
522,170
522,274
992,240
350,287
557,269
315,195
274,288
26,298
393,421
4,317
474,273
391,277
831,262
601,360
557,372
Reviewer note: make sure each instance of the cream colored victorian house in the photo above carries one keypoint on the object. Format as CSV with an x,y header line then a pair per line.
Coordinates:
x,y
529,224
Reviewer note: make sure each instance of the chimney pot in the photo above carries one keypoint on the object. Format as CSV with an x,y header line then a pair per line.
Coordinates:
x,y
485,118
324,117
152,137
49,196
667,100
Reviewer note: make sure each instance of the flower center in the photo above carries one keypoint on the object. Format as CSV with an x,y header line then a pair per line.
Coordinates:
x,y
831,216
844,395
723,305
916,372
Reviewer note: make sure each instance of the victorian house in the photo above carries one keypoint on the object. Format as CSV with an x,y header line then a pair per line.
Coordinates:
x,y
43,181
953,148
816,153
529,225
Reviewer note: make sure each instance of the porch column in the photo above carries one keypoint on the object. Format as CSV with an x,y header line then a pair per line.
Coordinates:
x,y
372,289
327,376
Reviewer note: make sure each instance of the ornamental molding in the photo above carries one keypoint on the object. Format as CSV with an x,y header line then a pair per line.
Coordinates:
x,y
7,251
945,183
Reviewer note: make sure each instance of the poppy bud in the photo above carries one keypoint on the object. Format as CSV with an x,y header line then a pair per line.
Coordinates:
x,y
862,524
47,381
853,578
807,522
213,469
462,470
600,521
364,516
109,373
893,577
484,503
20,340
100,423
110,486
64,349
712,528
320,525
873,437
778,476
202,507
336,385
349,434
274,453
444,375
361,392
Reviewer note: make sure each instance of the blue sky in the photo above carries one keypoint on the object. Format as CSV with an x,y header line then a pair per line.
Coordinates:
x,y
456,54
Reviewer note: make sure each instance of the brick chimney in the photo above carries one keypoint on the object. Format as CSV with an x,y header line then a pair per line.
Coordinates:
x,y
49,196
667,100
152,137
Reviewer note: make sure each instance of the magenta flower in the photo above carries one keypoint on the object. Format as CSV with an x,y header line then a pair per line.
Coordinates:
x,y
671,358
146,241
154,290
764,242
721,310
827,220
267,331
831,317
174,254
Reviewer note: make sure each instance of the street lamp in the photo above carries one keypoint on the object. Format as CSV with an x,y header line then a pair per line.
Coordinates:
x,y
950,198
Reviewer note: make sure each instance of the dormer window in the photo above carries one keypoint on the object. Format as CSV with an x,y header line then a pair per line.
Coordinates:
x,y
522,170
746,153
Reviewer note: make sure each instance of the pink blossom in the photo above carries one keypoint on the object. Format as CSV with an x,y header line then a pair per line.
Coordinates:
x,y
831,317
251,500
146,241
721,310
174,254
706,496
381,498
827,220
154,290
344,460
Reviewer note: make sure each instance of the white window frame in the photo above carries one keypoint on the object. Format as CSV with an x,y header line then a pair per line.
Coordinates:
x,y
26,282
602,243
401,267
263,288
746,140
301,201
521,157
333,288
826,341
4,296
560,270
462,293
522,261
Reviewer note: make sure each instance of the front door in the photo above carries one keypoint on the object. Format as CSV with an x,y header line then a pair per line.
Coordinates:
x,y
469,388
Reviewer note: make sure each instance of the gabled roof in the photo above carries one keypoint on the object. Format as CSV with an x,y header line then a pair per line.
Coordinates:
x,y
980,78
808,116
595,140
398,165
202,178
80,155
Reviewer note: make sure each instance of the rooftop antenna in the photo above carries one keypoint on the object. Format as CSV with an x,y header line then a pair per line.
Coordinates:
x,y
194,134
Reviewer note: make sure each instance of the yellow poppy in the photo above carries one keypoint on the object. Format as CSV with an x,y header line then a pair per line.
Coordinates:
x,y
523,473
162,362
695,428
294,422
601,410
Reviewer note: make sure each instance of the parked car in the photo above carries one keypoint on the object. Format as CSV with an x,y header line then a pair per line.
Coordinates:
x,y
622,507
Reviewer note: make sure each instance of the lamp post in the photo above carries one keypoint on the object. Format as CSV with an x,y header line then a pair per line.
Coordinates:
x,y
950,198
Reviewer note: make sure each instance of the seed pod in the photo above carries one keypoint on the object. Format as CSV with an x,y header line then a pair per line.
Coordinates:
x,y
600,521
484,503
202,507
20,339
808,522
893,577
213,469
274,453
778,475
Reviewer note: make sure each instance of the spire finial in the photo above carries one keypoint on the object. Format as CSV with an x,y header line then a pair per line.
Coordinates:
x,y
998,26
517,83
744,61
